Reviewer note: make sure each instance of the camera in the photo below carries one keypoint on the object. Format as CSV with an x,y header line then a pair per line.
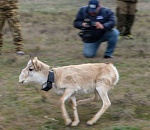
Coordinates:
x,y
90,24
86,32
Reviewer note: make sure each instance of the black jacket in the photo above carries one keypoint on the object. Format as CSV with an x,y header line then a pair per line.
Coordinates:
x,y
105,16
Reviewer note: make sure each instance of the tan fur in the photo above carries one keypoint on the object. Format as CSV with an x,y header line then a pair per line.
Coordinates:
x,y
95,78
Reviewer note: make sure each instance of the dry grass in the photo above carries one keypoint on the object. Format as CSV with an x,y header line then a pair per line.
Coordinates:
x,y
48,34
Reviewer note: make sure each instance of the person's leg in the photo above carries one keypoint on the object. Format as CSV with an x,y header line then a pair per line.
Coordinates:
x,y
121,16
129,24
130,18
90,49
14,24
121,23
2,21
112,38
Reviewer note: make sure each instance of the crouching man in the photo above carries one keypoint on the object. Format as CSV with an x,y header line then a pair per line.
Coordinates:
x,y
97,25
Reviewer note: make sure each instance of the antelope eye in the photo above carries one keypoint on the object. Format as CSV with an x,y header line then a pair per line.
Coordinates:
x,y
30,69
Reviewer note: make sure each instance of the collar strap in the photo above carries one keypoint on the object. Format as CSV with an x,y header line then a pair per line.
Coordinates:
x,y
49,82
51,77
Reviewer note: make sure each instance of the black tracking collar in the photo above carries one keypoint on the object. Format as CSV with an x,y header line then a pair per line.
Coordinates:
x,y
49,82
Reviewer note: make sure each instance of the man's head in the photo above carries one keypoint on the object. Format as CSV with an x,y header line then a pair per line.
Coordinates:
x,y
92,6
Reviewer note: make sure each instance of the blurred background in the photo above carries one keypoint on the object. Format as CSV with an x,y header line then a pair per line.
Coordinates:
x,y
48,33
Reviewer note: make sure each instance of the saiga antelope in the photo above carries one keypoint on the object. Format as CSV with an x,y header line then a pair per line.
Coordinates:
x,y
95,78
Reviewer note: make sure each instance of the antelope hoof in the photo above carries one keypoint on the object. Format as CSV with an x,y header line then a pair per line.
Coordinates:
x,y
68,122
75,123
89,123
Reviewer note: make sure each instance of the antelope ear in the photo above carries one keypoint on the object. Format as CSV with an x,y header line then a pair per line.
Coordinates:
x,y
37,65
35,58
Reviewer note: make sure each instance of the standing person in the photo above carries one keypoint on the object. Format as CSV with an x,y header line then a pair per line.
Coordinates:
x,y
126,10
9,13
96,24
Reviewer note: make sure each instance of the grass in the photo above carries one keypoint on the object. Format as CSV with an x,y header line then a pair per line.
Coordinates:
x,y
49,34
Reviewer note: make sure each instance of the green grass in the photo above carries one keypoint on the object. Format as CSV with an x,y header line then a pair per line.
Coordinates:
x,y
123,128
49,34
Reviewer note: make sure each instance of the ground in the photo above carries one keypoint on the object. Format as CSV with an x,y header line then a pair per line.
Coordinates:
x,y
49,34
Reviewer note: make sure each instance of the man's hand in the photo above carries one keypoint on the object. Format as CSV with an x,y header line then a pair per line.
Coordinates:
x,y
85,24
98,25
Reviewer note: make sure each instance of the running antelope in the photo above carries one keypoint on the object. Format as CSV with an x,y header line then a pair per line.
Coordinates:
x,y
68,81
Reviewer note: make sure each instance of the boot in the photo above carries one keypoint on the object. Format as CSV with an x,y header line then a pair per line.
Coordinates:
x,y
20,53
